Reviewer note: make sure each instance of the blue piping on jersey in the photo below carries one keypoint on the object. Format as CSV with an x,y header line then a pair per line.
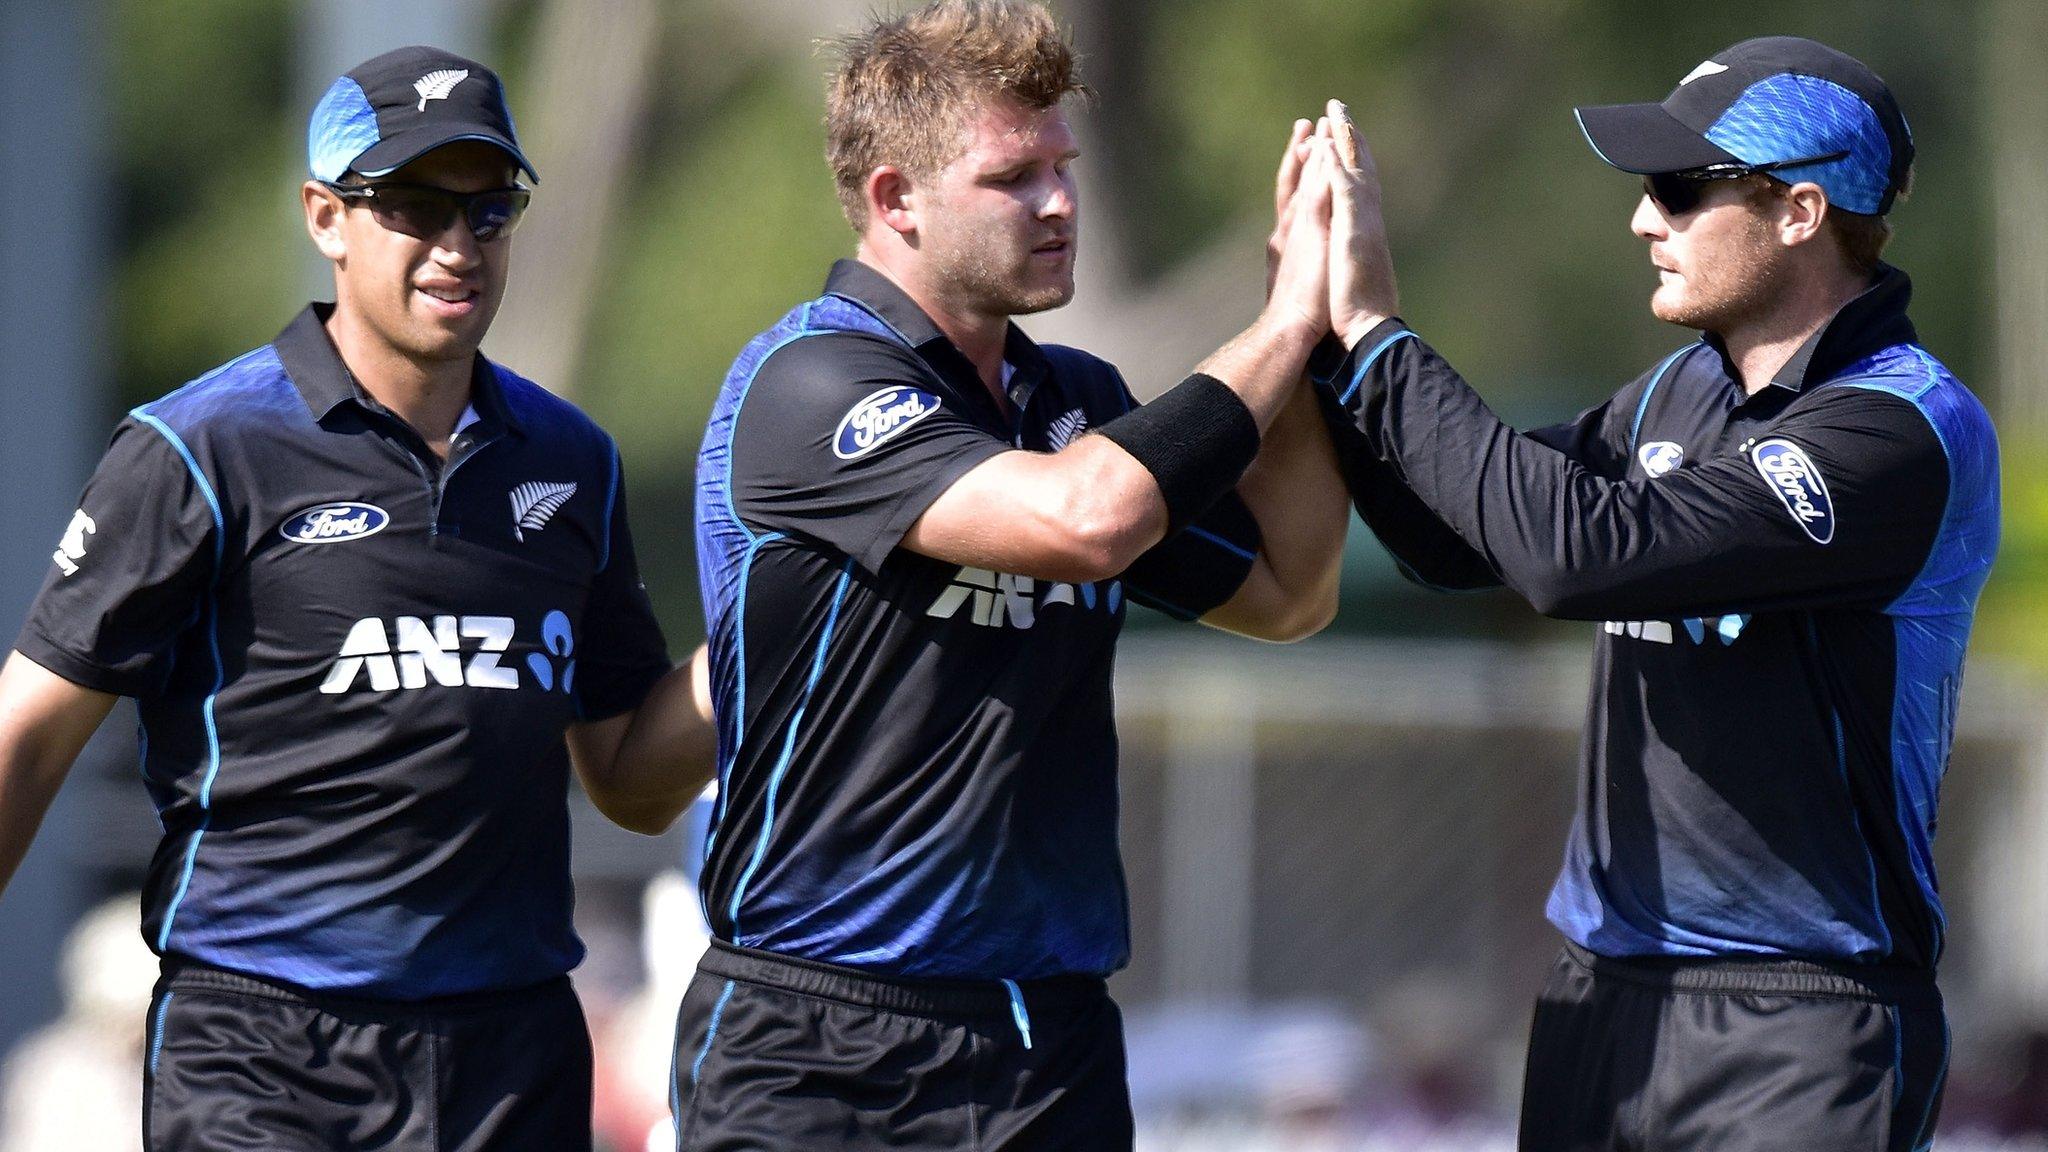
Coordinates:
x,y
163,936
675,1082
1909,821
611,500
1643,407
156,1040
732,434
1371,358
1018,1012
739,891
739,712
710,1034
753,544
1220,542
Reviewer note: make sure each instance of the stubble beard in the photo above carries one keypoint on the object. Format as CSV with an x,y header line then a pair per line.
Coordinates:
x,y
1730,289
975,281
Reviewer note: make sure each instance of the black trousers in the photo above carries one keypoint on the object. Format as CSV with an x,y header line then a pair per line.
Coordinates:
x,y
1732,1056
237,1064
775,1053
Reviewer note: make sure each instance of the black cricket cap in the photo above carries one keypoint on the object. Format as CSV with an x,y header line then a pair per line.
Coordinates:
x,y
392,109
1765,101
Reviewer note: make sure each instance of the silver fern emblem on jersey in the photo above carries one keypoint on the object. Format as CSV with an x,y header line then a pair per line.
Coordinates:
x,y
534,503
437,85
1064,429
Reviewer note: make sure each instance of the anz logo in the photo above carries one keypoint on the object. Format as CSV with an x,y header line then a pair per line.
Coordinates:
x,y
1000,600
1726,629
448,651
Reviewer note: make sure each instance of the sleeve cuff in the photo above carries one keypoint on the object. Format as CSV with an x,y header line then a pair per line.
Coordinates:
x,y
1347,378
914,503
80,671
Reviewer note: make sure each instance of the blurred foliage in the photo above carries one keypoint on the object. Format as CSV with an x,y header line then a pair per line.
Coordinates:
x,y
1511,237
2013,619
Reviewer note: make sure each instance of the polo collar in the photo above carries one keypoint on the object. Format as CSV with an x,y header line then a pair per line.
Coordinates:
x,y
1873,320
325,383
875,292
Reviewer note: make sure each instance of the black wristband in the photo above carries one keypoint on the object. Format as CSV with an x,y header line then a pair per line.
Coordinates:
x,y
1196,441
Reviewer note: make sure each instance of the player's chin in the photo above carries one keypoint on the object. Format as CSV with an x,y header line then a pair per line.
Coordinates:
x,y
1669,304
448,341
1042,296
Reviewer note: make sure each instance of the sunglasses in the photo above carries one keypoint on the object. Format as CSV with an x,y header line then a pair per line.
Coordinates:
x,y
424,212
1678,193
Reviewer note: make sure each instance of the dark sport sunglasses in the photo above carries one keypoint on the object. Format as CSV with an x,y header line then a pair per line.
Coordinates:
x,y
1679,192
423,211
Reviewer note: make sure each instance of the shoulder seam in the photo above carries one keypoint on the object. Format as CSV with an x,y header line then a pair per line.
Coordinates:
x,y
209,377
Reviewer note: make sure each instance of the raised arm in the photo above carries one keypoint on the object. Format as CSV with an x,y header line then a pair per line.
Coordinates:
x,y
1838,503
1090,510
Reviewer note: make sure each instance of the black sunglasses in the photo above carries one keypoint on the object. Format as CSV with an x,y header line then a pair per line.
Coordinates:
x,y
1679,192
424,211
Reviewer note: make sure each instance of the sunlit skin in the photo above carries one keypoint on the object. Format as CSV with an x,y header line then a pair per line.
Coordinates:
x,y
411,312
1759,273
1718,266
990,235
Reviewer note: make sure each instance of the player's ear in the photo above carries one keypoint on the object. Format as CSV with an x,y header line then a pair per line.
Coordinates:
x,y
892,200
324,213
1803,209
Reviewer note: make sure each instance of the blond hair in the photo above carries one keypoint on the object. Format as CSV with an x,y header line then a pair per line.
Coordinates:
x,y
906,87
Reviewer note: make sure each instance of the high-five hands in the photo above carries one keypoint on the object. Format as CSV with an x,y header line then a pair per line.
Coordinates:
x,y
1361,276
1298,255
1327,174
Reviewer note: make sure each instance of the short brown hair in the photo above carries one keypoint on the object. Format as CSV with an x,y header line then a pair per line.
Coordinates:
x,y
1861,237
905,87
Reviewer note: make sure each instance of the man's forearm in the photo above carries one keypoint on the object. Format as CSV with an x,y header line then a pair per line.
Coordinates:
x,y
45,721
1263,364
26,790
1295,493
665,752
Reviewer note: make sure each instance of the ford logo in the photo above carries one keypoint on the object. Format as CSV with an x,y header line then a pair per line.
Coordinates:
x,y
880,416
1791,474
331,523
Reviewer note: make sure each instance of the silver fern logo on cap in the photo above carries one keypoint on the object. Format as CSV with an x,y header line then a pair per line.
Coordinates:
x,y
437,85
534,503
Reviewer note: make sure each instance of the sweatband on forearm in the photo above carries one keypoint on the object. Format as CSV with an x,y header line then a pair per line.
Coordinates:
x,y
1196,441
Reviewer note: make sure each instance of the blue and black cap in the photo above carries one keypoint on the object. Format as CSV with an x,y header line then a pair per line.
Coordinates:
x,y
392,109
1764,102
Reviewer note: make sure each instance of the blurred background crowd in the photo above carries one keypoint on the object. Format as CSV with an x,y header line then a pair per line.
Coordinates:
x,y
1337,852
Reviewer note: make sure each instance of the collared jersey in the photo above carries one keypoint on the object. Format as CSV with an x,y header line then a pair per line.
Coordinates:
x,y
354,664
918,759
1786,583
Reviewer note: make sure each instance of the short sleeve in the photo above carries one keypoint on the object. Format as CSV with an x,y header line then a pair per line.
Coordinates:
x,y
626,652
131,569
846,439
1201,566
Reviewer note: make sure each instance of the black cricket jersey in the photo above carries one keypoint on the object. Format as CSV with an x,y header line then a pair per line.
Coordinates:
x,y
354,664
1786,583
917,759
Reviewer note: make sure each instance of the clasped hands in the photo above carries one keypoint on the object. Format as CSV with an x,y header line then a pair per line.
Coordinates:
x,y
1327,264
